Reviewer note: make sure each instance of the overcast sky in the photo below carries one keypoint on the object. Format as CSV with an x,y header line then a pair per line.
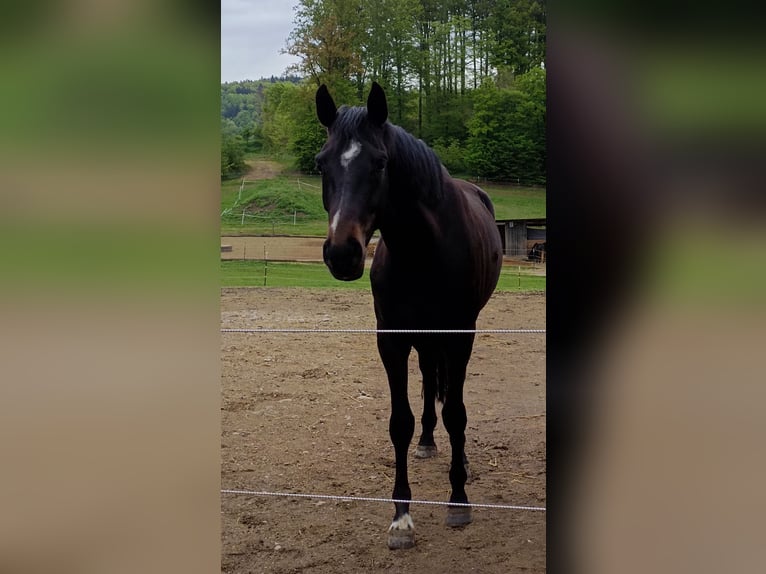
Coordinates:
x,y
252,34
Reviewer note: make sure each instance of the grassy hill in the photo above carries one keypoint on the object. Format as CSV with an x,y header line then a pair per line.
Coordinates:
x,y
276,202
271,200
283,205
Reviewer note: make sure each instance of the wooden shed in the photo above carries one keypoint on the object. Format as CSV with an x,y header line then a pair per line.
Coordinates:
x,y
518,235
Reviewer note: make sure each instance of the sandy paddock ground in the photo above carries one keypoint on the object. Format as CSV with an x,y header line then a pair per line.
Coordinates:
x,y
309,413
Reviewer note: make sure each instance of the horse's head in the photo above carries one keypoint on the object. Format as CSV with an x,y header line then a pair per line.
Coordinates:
x,y
353,167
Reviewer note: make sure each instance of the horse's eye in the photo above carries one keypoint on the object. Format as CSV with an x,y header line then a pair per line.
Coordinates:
x,y
379,164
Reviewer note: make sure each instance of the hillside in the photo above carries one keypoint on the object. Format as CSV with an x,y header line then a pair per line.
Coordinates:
x,y
270,200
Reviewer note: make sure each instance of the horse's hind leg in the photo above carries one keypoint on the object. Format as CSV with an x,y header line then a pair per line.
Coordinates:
x,y
455,420
394,353
428,367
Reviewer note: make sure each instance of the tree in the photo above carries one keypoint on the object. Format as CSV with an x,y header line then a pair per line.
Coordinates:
x,y
519,31
507,132
232,155
464,75
390,49
533,115
278,124
309,135
290,123
326,38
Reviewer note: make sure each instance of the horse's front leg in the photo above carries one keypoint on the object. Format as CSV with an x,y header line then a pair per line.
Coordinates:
x,y
394,353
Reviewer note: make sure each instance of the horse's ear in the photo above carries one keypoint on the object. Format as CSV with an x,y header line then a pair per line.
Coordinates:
x,y
326,110
377,108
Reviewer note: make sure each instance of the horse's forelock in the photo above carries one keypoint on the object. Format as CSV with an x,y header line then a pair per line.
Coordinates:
x,y
350,122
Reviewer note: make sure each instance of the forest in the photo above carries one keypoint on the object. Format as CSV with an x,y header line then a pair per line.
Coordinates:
x,y
467,77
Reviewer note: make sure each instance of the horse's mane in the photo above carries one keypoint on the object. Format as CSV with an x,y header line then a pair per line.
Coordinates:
x,y
413,166
416,166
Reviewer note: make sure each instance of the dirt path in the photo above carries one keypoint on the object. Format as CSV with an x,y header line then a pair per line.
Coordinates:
x,y
309,413
274,248
309,249
263,169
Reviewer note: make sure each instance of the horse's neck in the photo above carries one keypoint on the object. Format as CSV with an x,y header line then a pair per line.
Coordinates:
x,y
410,225
412,219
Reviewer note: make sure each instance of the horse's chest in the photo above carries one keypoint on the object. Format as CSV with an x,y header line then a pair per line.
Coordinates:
x,y
417,289
416,302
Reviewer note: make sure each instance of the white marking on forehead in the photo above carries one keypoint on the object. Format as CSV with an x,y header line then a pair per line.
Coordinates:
x,y
334,224
351,152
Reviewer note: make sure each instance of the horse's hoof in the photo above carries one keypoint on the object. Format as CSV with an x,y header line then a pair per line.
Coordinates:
x,y
425,451
458,516
401,533
401,539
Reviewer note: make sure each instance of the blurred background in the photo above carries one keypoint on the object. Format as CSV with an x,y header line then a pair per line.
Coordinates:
x,y
656,287
108,286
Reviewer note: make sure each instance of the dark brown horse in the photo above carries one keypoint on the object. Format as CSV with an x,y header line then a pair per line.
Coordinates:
x,y
436,264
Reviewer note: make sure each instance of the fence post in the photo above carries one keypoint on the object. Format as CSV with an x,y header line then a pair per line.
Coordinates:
x,y
265,265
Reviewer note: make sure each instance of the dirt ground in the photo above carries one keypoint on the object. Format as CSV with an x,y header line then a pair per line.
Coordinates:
x,y
263,169
309,249
275,248
309,413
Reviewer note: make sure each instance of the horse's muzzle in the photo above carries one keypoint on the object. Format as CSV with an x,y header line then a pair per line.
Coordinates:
x,y
345,260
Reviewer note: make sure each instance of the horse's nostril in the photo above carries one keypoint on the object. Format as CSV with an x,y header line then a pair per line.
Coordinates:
x,y
356,251
344,259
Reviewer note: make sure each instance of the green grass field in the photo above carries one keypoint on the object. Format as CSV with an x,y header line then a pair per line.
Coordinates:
x,y
516,202
292,205
250,273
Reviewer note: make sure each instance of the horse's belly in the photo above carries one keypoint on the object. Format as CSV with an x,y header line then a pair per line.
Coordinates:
x,y
415,305
440,291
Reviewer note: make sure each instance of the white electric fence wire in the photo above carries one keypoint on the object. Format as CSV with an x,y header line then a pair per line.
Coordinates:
x,y
373,499
391,331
